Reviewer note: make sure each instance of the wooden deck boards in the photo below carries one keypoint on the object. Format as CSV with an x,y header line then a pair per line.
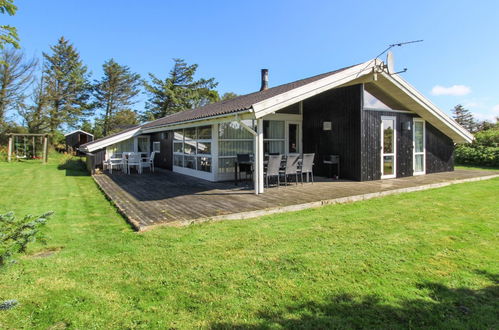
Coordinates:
x,y
166,198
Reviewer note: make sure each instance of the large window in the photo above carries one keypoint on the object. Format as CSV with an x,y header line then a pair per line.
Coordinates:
x,y
192,148
233,139
273,137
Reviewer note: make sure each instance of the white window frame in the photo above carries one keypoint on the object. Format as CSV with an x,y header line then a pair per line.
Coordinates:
x,y
158,144
394,154
299,124
414,153
194,171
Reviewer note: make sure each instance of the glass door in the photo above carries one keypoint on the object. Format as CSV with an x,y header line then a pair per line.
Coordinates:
x,y
388,148
419,147
293,141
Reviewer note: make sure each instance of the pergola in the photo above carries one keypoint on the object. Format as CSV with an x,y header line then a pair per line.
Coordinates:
x,y
28,135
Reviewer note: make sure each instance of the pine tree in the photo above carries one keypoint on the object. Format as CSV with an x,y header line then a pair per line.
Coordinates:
x,y
464,117
67,85
115,93
179,91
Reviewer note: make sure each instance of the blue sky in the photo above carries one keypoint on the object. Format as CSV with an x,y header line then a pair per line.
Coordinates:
x,y
233,40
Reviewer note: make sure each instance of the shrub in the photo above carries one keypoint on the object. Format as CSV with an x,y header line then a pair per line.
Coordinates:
x,y
477,155
16,233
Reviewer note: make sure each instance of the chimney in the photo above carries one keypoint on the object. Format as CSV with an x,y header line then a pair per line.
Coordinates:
x,y
265,79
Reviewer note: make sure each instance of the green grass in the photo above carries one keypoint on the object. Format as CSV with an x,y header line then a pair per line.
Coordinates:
x,y
425,259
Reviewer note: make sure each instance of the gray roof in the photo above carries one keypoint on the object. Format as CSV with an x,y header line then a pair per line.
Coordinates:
x,y
237,104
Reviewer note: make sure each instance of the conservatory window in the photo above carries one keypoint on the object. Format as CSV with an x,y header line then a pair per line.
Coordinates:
x,y
192,148
233,139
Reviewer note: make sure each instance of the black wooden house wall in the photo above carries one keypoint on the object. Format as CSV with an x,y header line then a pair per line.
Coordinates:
x,y
165,157
371,143
355,137
341,107
439,151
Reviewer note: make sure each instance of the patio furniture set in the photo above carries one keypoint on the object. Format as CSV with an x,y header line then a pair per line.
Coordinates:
x,y
126,161
277,166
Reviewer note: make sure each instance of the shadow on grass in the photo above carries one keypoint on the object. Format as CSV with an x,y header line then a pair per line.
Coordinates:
x,y
74,167
443,307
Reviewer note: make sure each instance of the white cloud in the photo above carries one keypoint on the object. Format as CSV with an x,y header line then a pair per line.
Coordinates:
x,y
489,115
456,90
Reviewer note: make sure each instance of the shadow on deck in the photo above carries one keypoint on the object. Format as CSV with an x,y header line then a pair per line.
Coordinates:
x,y
167,198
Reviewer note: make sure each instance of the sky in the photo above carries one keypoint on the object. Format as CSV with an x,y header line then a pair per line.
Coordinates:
x,y
232,40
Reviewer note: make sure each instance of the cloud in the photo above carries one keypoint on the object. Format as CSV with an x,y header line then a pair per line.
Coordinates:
x,y
489,115
456,90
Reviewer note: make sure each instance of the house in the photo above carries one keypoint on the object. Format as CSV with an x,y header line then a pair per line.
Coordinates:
x,y
377,123
77,138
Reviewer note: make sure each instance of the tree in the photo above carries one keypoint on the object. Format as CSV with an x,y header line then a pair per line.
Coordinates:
x,y
179,91
16,76
67,86
115,92
36,113
8,34
123,119
228,95
464,117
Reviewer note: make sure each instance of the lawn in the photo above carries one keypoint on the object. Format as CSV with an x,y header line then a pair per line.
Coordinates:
x,y
424,259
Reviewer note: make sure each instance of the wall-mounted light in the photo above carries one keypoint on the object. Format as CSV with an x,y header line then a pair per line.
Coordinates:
x,y
406,125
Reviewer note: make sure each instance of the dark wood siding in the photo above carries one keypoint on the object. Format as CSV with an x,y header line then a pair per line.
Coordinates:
x,y
371,144
439,151
73,141
165,157
342,107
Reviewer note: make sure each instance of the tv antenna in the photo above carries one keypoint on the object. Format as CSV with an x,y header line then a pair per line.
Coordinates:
x,y
389,66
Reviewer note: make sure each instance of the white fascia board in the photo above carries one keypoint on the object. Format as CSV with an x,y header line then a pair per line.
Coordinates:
x,y
283,100
429,106
79,130
111,140
242,115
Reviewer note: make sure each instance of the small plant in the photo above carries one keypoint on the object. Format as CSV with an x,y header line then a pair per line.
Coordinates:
x,y
17,233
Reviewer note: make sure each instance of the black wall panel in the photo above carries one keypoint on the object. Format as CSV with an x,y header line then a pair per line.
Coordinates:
x,y
341,107
439,151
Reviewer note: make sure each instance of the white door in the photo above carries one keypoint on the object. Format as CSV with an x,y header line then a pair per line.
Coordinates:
x,y
388,147
419,158
293,132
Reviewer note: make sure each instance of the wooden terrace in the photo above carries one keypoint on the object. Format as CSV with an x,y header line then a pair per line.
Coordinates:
x,y
167,198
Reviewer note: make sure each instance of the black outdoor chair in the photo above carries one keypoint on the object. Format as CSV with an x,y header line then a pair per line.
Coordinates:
x,y
244,164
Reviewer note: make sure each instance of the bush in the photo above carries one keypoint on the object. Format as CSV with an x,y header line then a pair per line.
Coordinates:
x,y
16,233
477,155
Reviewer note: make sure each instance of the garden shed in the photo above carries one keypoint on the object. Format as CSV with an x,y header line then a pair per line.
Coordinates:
x,y
76,138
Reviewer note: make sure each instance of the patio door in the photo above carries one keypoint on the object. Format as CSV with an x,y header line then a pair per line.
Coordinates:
x,y
419,147
388,147
293,133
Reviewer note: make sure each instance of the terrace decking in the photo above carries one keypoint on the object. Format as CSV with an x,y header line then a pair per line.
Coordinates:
x,y
166,198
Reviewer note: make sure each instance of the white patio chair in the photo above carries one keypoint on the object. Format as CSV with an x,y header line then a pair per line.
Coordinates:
x,y
148,162
273,167
307,165
114,162
291,168
134,159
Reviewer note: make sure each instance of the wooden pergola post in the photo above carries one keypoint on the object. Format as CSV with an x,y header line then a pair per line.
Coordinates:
x,y
9,153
